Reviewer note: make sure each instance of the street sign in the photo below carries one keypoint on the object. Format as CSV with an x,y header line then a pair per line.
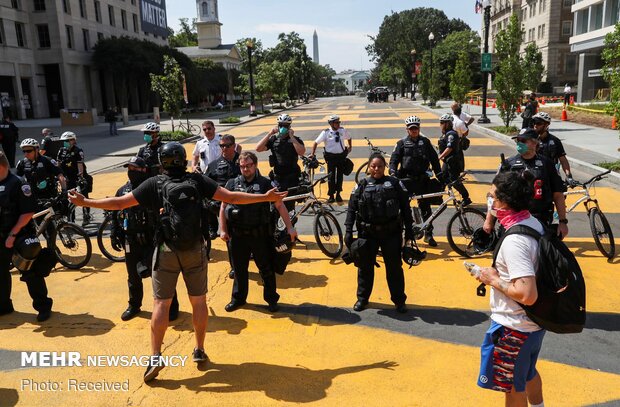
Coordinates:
x,y
486,65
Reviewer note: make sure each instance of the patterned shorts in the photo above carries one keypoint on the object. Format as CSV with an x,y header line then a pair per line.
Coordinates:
x,y
508,358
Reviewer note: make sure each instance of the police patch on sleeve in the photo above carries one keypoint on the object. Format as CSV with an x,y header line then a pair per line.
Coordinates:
x,y
403,186
26,190
54,162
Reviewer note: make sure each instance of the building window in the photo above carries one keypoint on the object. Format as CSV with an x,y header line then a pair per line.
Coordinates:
x,y
100,36
596,17
39,5
44,36
15,4
542,36
20,33
124,19
539,31
567,28
98,11
570,63
135,23
111,16
82,8
544,5
69,30
86,38
568,3
133,2
1,32
66,6
613,8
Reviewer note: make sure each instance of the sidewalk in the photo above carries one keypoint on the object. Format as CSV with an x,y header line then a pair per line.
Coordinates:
x,y
585,146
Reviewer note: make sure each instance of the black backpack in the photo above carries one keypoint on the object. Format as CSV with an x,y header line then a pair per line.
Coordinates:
x,y
181,219
561,303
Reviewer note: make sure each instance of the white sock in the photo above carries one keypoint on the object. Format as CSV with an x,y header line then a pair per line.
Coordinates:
x,y
538,405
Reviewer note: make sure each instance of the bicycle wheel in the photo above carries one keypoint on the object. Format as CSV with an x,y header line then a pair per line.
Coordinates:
x,y
361,172
461,228
195,130
104,243
601,231
328,234
73,247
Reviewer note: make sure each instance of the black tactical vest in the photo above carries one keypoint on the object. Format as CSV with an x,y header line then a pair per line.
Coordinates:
x,y
285,155
543,196
415,160
249,216
378,201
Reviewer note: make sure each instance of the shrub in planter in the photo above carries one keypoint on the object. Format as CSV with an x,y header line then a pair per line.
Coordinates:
x,y
174,135
229,120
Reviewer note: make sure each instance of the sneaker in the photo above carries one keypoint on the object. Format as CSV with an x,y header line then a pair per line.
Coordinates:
x,y
339,198
199,355
466,202
154,367
331,199
428,238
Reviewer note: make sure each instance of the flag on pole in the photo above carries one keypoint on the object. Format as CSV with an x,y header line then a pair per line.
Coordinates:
x,y
478,6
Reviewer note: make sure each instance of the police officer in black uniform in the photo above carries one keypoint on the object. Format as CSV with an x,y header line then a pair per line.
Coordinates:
x,y
248,230
39,171
549,145
379,207
548,186
149,152
410,161
285,148
9,135
133,229
17,205
451,154
47,143
71,161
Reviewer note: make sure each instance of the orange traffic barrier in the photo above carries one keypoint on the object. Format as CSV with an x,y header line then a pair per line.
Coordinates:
x,y
572,100
494,105
614,124
564,115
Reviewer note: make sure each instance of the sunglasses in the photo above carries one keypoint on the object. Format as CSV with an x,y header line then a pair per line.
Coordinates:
x,y
207,128
27,151
225,145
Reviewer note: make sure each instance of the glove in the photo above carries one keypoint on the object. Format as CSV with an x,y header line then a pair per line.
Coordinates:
x,y
348,239
409,235
117,240
572,183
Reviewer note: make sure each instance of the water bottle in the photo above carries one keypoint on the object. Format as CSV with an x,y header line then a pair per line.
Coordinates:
x,y
125,223
473,269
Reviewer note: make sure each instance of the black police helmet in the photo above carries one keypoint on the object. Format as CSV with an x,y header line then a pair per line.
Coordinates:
x,y
25,252
348,167
282,242
482,241
172,156
412,255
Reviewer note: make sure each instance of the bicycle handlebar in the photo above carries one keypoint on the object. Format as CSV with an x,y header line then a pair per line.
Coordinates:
x,y
596,178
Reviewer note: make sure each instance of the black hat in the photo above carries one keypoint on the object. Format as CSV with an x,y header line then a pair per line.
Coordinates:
x,y
137,161
527,133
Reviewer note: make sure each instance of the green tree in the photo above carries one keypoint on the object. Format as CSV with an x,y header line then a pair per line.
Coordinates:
x,y
424,80
509,77
187,36
271,80
533,68
460,79
611,70
446,54
169,87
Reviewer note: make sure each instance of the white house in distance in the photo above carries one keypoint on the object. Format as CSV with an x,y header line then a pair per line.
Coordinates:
x,y
353,80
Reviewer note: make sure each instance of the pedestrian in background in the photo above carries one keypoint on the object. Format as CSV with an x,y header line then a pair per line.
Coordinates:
x,y
111,117
9,136
567,93
335,155
512,343
531,108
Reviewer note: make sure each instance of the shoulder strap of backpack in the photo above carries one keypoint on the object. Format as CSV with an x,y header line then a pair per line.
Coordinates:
x,y
517,229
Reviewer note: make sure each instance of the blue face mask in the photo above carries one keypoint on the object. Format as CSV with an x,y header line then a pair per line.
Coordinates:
x,y
148,138
283,131
67,144
521,148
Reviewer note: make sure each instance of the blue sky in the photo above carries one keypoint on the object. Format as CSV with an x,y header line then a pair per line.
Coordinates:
x,y
343,26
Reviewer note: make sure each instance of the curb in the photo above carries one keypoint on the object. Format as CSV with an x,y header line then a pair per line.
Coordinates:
x,y
590,169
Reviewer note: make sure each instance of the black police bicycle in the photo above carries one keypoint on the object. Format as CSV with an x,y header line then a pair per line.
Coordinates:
x,y
104,240
69,242
461,225
363,169
599,225
327,231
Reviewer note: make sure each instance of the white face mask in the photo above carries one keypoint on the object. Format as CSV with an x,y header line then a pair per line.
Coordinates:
x,y
490,208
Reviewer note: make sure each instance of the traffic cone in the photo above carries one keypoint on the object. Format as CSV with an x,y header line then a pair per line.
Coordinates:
x,y
614,124
564,115
572,100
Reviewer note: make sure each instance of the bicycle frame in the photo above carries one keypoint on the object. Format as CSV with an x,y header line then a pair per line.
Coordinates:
x,y
585,191
309,198
437,212
48,215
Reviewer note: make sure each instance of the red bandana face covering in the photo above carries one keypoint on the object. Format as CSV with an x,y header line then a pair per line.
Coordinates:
x,y
509,217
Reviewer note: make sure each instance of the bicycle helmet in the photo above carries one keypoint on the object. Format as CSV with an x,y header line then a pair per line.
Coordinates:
x,y
446,118
333,118
282,242
542,116
411,254
29,142
412,121
68,135
150,126
25,253
482,241
285,119
173,156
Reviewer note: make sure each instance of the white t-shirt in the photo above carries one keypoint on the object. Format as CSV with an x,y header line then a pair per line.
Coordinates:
x,y
329,136
460,123
517,257
208,150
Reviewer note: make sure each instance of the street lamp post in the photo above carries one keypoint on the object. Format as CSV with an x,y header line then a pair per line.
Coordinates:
x,y
431,38
414,75
486,4
250,45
